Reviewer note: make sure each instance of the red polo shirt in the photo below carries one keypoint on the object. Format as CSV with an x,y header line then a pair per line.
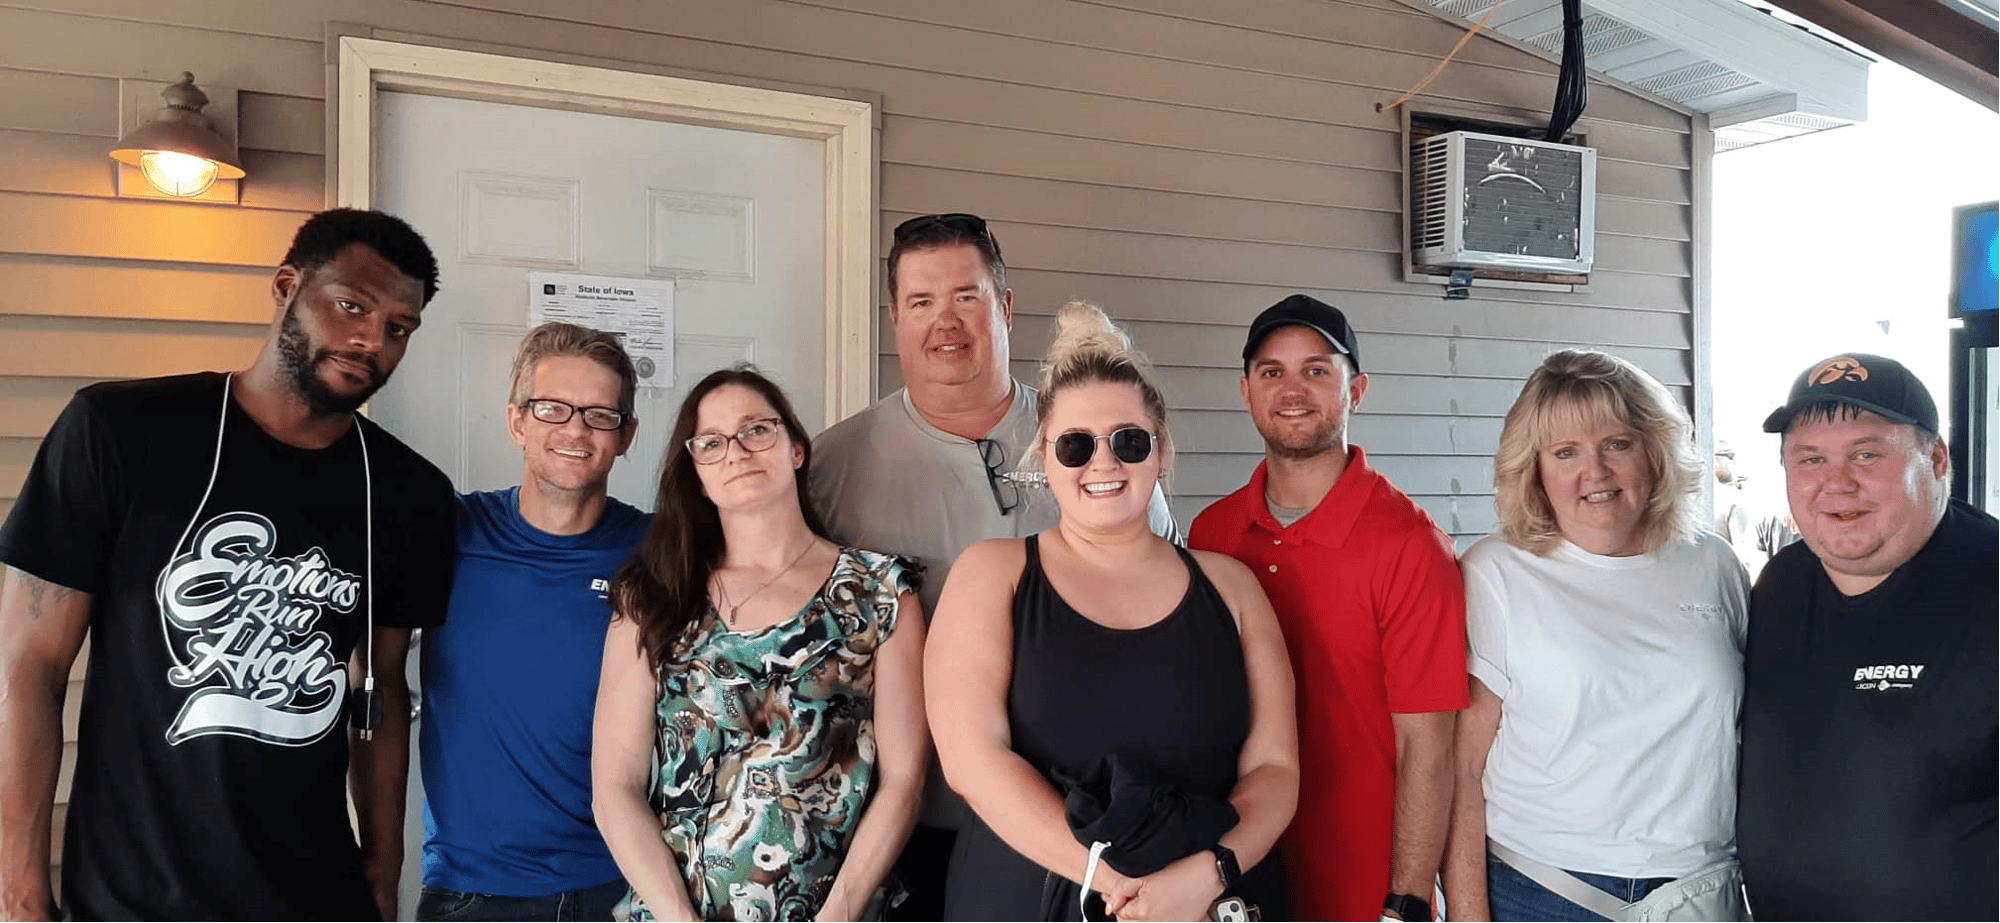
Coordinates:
x,y
1368,592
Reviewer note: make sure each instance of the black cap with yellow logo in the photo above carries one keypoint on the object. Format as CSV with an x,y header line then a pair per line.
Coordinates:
x,y
1872,383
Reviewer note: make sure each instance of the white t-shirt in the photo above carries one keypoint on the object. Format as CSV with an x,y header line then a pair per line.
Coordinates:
x,y
1621,680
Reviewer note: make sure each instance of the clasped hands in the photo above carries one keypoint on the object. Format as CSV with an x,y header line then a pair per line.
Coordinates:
x,y
1184,890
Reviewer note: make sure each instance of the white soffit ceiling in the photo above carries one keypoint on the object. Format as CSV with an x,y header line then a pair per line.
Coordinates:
x,y
1757,76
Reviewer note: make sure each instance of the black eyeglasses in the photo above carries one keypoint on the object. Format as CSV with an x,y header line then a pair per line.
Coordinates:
x,y
1130,444
556,413
959,222
755,436
1005,492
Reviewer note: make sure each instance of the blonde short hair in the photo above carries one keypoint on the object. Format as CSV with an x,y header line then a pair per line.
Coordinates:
x,y
556,338
1581,388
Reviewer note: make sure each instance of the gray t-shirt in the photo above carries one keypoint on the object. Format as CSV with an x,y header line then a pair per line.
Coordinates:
x,y
885,479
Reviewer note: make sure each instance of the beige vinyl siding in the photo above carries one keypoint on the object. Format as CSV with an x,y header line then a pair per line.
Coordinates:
x,y
1182,162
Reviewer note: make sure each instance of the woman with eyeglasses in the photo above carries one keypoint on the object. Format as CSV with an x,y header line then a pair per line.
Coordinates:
x,y
1096,673
760,743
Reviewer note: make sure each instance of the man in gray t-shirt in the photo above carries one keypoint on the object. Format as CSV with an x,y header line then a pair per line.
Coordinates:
x,y
925,472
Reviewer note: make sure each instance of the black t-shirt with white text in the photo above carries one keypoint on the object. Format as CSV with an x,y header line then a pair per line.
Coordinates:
x,y
212,753
1869,736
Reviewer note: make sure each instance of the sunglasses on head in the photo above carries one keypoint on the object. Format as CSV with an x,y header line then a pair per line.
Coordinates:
x,y
1130,444
958,222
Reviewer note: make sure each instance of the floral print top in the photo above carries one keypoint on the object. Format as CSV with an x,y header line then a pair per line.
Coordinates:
x,y
766,751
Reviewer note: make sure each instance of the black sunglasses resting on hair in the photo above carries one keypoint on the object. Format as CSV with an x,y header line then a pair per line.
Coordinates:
x,y
970,225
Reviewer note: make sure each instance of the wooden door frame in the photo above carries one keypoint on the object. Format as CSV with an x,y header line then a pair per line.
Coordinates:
x,y
843,127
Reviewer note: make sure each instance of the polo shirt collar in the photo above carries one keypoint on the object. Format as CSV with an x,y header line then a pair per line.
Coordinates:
x,y
1329,523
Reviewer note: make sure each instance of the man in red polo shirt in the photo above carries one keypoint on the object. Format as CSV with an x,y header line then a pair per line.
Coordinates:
x,y
1367,589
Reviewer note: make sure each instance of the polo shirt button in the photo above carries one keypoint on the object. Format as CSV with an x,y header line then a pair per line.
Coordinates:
x,y
1274,568
1277,541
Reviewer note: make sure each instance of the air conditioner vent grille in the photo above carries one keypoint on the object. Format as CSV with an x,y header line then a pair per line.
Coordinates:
x,y
1489,201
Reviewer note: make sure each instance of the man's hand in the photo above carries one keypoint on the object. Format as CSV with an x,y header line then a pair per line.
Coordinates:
x,y
385,879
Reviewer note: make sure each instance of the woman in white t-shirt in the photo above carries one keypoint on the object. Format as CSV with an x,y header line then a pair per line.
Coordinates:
x,y
1597,762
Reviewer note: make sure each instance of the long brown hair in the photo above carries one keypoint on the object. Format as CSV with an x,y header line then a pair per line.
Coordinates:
x,y
663,588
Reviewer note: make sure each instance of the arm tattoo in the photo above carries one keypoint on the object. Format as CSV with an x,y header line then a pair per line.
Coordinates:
x,y
41,593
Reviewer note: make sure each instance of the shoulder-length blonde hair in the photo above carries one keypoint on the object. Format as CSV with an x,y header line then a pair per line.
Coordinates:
x,y
1582,388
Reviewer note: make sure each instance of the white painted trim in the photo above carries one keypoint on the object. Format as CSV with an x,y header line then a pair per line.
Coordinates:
x,y
1701,291
844,127
1832,80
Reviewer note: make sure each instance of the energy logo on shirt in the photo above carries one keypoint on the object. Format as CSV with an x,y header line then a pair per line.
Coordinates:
x,y
1887,676
243,628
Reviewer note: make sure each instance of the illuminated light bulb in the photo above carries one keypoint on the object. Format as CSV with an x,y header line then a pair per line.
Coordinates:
x,y
179,152
178,174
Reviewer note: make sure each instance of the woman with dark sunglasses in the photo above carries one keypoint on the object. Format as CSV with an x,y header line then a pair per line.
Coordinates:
x,y
1098,663
760,746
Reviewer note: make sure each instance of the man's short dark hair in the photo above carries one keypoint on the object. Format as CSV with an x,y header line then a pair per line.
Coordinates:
x,y
324,235
1831,411
931,232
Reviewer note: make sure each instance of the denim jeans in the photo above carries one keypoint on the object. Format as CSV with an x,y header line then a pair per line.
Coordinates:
x,y
1514,896
584,904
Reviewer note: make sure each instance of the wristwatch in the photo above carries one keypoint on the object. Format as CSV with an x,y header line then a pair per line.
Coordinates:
x,y
1226,867
1408,907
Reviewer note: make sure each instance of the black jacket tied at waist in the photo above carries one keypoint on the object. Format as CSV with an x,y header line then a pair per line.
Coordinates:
x,y
1148,822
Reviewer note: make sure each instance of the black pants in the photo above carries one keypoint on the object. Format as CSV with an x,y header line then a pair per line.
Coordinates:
x,y
923,866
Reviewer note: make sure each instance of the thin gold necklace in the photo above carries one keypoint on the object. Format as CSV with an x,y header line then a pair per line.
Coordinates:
x,y
723,591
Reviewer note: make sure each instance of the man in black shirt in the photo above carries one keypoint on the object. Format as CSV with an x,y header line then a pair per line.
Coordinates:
x,y
1869,755
248,556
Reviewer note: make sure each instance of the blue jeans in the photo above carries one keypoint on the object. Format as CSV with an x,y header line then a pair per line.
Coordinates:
x,y
584,904
1514,896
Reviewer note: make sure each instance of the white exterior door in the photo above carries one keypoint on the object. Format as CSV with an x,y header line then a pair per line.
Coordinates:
x,y
734,220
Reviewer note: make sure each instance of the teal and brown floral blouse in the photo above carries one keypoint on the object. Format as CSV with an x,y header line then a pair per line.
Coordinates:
x,y
766,750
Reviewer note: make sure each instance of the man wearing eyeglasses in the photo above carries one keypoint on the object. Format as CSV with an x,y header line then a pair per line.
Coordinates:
x,y
510,681
930,469
1368,592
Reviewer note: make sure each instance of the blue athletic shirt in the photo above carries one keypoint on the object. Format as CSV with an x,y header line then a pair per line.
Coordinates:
x,y
509,689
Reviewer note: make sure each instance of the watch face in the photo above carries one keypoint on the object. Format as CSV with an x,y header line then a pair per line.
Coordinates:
x,y
1226,867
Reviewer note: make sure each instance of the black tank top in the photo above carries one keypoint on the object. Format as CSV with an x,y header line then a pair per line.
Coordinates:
x,y
1174,695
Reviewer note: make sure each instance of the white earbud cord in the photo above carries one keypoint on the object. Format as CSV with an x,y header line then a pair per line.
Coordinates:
x,y
368,580
214,467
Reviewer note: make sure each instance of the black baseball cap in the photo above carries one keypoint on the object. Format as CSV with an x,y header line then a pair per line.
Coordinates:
x,y
1306,311
1873,383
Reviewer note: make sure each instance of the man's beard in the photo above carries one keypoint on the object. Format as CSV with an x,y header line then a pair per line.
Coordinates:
x,y
1297,445
300,364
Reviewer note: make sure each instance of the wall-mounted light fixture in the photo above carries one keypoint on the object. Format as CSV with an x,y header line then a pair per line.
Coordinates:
x,y
179,151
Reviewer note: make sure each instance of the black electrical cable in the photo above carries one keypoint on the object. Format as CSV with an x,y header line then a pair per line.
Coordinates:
x,y
1572,91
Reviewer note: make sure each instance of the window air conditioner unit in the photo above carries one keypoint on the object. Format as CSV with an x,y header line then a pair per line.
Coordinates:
x,y
1493,202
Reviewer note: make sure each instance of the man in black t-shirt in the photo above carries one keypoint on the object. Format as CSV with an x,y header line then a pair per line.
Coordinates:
x,y
1869,730
248,556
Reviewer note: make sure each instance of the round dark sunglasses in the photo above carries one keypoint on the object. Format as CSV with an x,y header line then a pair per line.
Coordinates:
x,y
1130,444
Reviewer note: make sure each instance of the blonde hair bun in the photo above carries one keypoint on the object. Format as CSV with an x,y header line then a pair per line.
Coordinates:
x,y
1084,329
